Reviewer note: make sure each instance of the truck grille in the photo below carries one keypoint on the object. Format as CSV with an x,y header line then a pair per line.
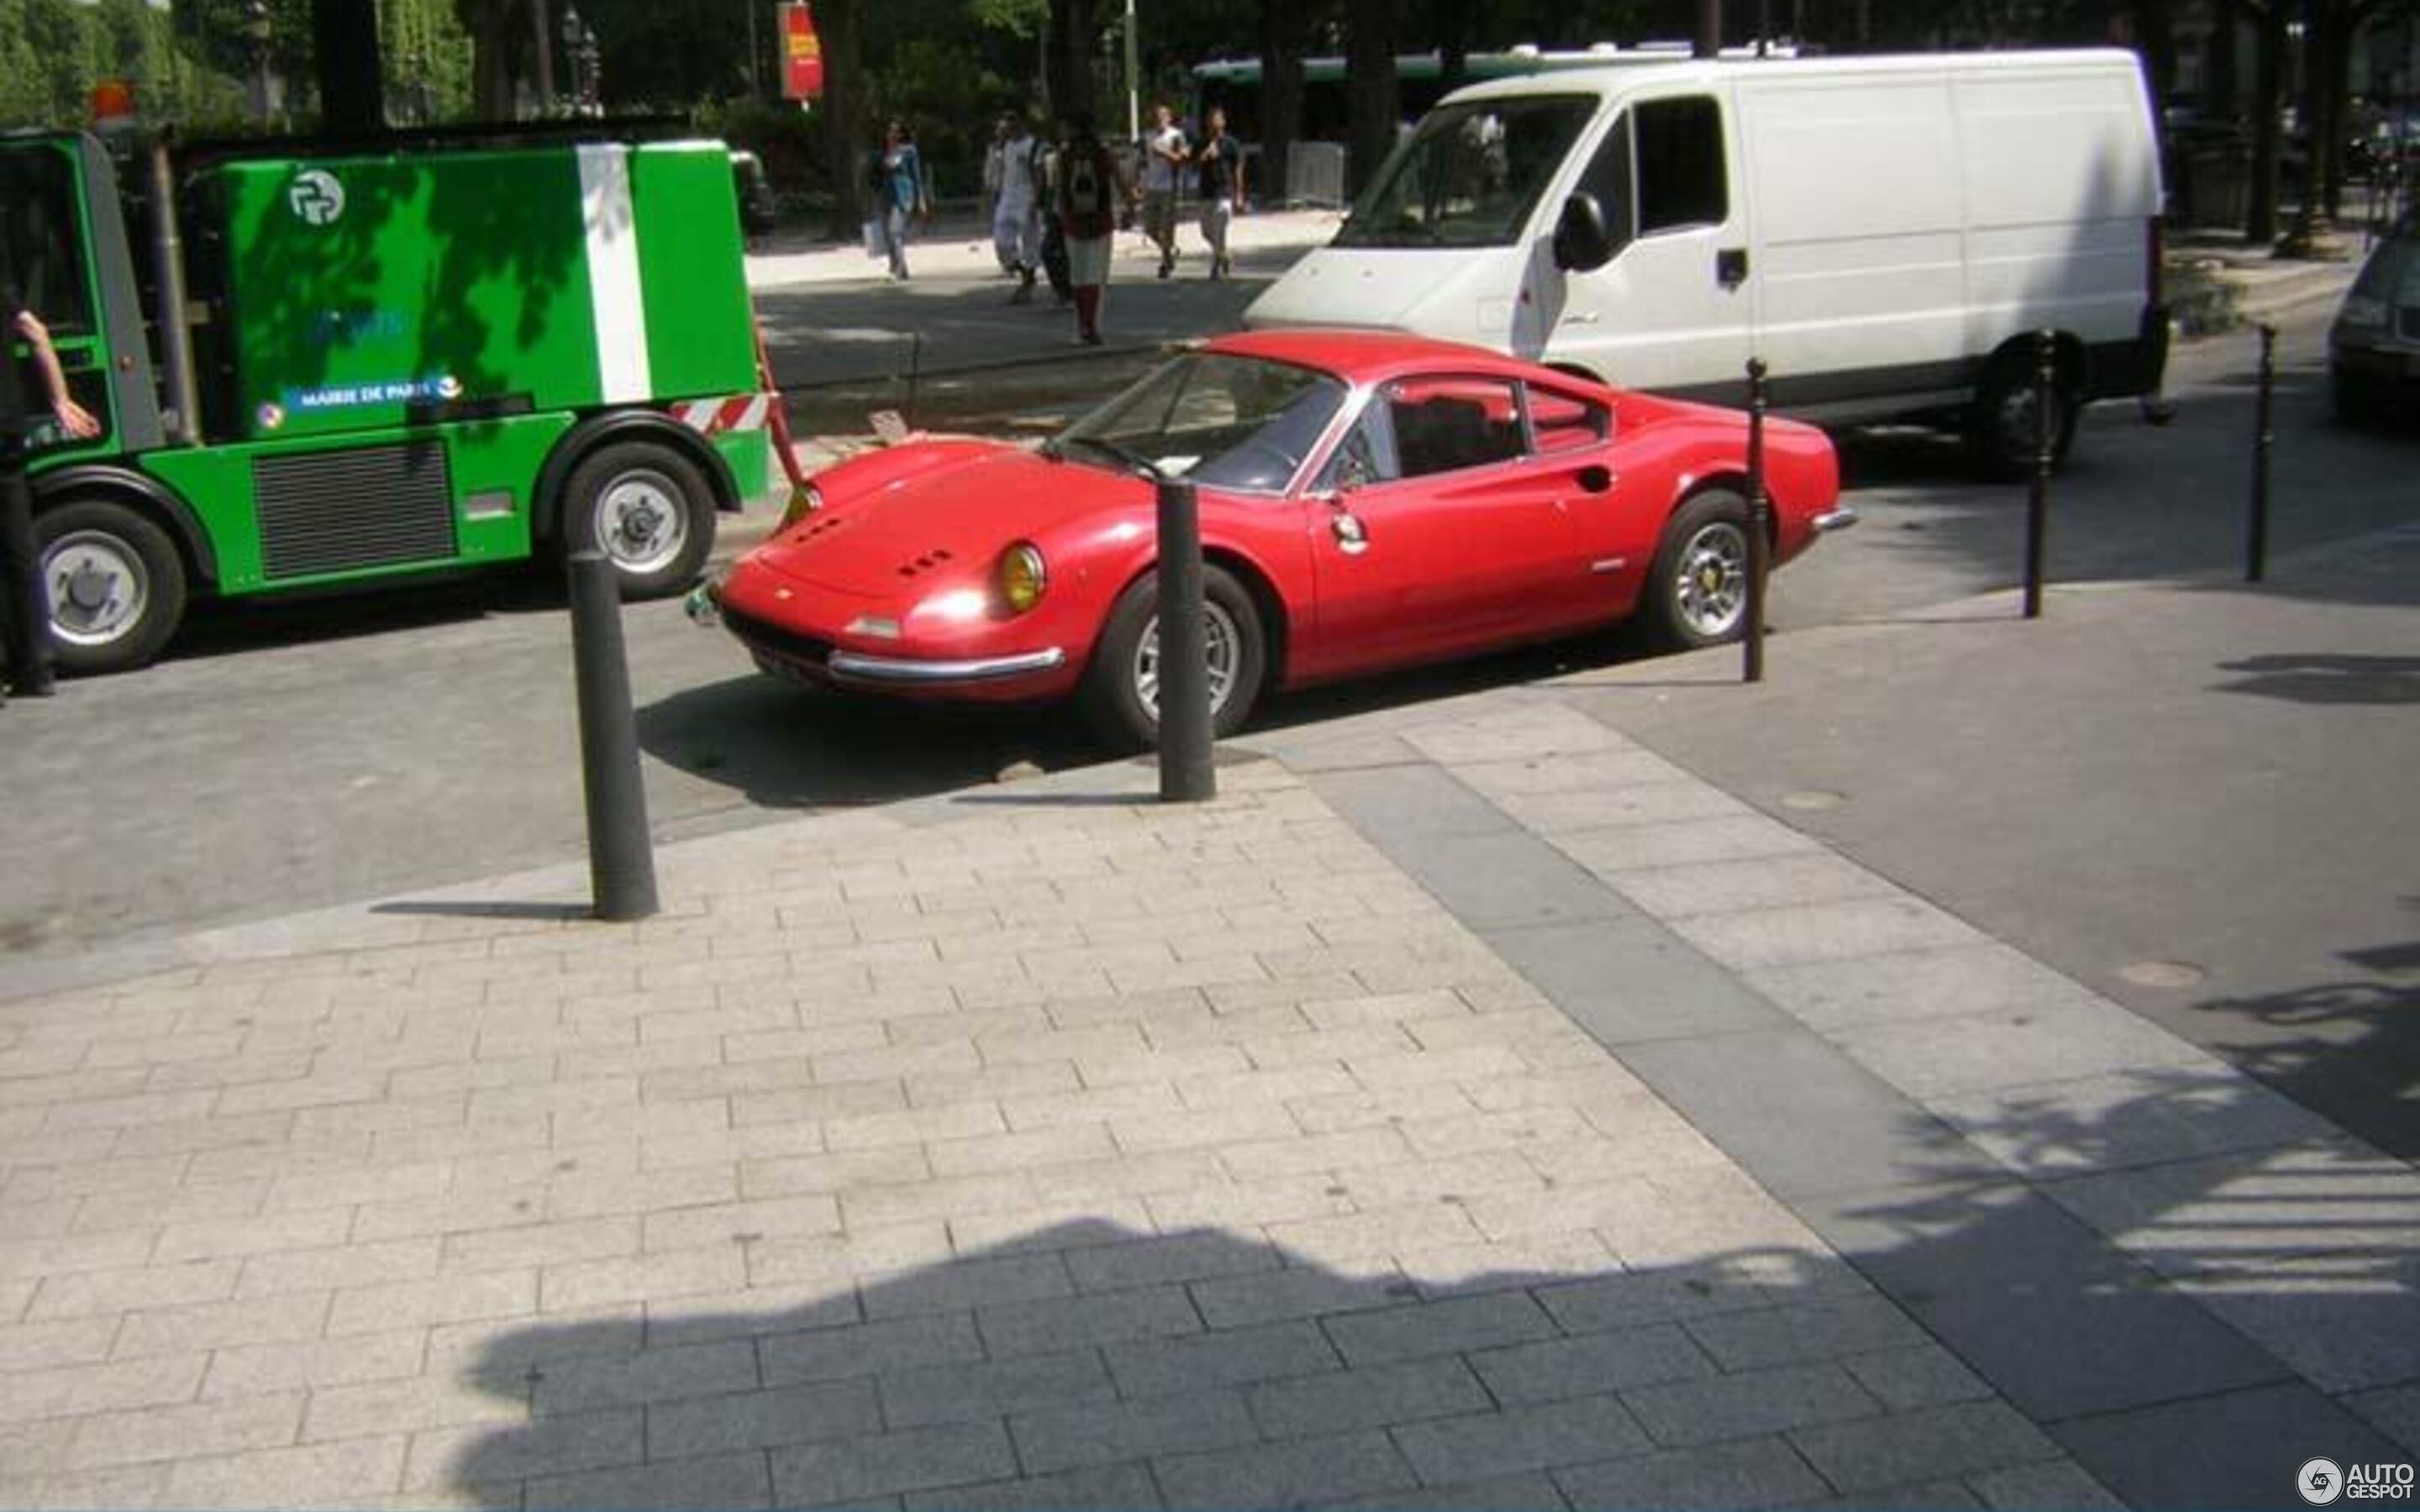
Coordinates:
x,y
378,506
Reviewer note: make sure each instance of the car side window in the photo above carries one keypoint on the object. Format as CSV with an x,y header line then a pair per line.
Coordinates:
x,y
1566,423
1366,456
1443,424
1681,180
1608,177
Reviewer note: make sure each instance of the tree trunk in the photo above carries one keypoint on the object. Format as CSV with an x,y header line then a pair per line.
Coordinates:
x,y
491,27
2319,46
1285,37
1372,96
2268,93
2334,87
2218,76
2155,36
345,40
1459,19
1074,33
839,23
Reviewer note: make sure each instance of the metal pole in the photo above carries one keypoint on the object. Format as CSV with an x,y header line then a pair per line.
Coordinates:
x,y
1185,773
2038,503
168,283
1134,77
2264,438
621,858
1760,514
1709,39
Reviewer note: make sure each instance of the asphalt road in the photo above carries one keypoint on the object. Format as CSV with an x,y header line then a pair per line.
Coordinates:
x,y
288,756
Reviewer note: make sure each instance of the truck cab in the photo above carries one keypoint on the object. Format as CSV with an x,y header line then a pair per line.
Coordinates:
x,y
318,365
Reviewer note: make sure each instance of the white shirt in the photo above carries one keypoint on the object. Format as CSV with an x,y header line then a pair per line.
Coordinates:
x,y
1158,174
1016,182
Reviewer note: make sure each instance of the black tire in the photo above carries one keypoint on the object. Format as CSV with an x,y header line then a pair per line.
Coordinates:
x,y
1110,698
1707,534
648,508
1999,423
116,584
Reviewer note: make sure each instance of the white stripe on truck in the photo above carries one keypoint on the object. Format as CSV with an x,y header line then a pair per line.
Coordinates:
x,y
613,289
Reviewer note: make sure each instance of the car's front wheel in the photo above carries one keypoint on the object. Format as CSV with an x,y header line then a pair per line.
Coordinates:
x,y
117,586
1121,691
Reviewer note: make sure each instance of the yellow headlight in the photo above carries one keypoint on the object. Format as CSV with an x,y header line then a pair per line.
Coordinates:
x,y
1023,579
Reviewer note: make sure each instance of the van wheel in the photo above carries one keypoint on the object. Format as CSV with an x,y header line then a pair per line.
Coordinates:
x,y
2000,421
117,586
1120,697
1697,593
645,506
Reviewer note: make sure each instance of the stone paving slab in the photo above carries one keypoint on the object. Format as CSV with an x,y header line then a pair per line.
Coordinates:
x,y
1050,1147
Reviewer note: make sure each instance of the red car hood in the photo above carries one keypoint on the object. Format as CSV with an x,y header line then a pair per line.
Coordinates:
x,y
937,518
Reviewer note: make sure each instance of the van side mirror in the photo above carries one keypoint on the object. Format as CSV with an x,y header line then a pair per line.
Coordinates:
x,y
1582,244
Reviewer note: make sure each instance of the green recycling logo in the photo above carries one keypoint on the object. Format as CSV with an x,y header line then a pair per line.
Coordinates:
x,y
316,197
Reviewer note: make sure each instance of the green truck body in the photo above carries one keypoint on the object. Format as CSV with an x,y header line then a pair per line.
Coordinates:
x,y
388,362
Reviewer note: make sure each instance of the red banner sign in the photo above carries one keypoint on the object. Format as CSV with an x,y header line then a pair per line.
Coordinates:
x,y
802,54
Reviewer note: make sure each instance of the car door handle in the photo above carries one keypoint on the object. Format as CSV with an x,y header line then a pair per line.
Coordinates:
x,y
1731,267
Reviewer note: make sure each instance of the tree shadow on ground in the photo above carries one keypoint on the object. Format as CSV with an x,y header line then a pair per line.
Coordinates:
x,y
2318,677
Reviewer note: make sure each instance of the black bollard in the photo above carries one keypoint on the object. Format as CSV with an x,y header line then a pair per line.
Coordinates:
x,y
621,856
1759,522
1185,773
2264,439
2038,502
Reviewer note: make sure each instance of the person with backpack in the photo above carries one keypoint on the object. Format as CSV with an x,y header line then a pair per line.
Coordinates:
x,y
1090,189
895,182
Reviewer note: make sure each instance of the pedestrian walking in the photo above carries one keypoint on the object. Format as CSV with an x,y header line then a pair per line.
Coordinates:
x,y
1164,157
995,169
1017,213
1221,188
898,196
1090,190
1054,231
24,599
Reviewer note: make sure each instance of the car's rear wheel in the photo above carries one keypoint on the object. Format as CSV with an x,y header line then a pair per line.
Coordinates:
x,y
1120,696
2000,422
1697,593
648,508
117,586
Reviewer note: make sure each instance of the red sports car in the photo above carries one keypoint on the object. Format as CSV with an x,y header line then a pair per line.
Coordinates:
x,y
1367,501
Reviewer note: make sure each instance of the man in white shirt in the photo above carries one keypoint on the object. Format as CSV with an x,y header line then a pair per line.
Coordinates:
x,y
1017,210
1165,154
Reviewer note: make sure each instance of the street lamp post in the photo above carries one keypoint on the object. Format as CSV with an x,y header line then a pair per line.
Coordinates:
x,y
256,37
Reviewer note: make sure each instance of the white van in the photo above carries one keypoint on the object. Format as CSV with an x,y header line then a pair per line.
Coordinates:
x,y
1886,233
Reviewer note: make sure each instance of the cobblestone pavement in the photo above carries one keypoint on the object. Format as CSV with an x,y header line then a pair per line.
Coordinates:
x,y
1467,1109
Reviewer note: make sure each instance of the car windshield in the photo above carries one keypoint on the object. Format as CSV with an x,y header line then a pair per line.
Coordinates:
x,y
1470,176
1226,421
2393,271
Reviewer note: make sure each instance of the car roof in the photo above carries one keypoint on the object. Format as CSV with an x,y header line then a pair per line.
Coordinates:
x,y
1374,355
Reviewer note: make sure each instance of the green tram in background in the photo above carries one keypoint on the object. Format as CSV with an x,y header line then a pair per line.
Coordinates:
x,y
318,365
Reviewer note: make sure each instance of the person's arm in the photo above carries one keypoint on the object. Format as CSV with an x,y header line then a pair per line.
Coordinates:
x,y
72,417
1236,197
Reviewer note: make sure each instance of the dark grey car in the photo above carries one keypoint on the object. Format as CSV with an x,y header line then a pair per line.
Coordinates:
x,y
2374,347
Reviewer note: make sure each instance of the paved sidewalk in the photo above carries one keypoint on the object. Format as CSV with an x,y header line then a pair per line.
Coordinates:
x,y
1469,1108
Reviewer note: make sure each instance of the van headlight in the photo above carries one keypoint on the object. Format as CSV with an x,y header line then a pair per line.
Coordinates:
x,y
2362,313
1023,576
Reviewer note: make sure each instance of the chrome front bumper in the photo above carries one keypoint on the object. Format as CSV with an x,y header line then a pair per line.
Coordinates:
x,y
907,671
1835,519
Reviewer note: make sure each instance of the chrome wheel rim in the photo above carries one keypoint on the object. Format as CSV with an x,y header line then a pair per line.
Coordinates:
x,y
639,523
1222,646
99,587
1711,588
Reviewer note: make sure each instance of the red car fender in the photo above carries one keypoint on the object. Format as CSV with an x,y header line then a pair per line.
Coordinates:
x,y
1274,563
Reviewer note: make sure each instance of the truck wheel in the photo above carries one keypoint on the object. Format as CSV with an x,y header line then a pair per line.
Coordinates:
x,y
117,586
2000,421
1697,593
1121,691
647,508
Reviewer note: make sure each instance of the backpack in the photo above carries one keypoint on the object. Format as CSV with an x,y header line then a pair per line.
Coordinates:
x,y
1087,192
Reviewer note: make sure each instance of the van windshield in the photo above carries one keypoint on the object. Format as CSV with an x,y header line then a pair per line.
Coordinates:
x,y
1470,176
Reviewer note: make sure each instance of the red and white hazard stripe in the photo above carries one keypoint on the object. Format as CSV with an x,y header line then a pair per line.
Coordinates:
x,y
712,417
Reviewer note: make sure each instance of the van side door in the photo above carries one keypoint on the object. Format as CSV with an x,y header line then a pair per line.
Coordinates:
x,y
1673,310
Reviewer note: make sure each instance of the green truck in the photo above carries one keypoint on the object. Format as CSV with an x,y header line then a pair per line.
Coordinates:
x,y
318,365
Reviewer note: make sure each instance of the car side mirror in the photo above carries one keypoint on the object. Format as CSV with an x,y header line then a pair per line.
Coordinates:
x,y
1582,244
